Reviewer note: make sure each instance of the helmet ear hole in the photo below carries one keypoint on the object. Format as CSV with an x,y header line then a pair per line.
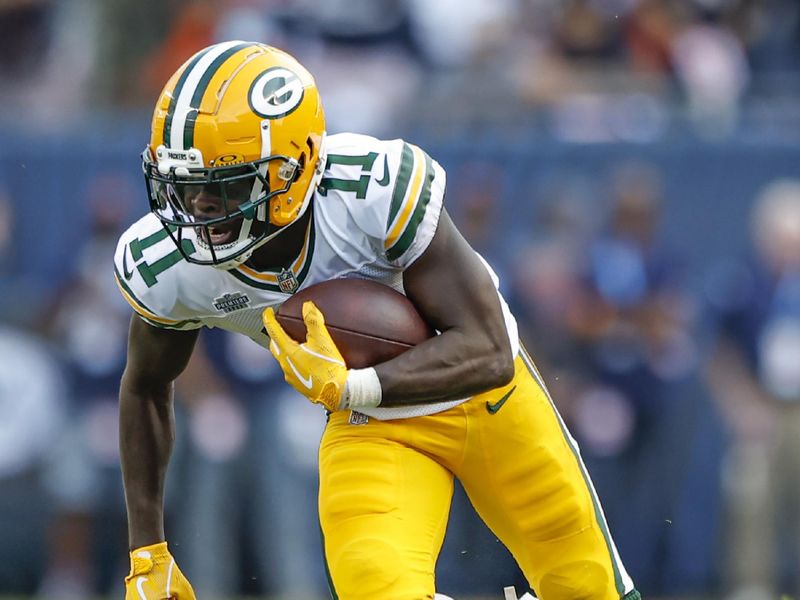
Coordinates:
x,y
300,168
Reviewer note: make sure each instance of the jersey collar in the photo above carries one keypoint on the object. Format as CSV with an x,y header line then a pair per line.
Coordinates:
x,y
268,280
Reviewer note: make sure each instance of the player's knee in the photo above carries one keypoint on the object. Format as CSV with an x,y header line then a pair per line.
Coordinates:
x,y
365,568
580,580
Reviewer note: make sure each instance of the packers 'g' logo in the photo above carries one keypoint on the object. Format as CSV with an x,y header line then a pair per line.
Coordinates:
x,y
275,93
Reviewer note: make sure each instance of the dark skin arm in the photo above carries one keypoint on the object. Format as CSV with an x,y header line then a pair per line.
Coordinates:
x,y
147,423
452,289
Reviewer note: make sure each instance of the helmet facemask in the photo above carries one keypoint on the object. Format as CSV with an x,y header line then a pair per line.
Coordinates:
x,y
226,207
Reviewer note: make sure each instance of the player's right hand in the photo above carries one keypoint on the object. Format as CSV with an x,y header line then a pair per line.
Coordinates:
x,y
155,576
314,368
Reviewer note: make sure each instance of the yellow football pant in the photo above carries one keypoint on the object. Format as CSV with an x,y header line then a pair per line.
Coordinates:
x,y
386,486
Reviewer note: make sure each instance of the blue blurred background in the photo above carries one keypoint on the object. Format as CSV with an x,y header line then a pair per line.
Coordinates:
x,y
631,168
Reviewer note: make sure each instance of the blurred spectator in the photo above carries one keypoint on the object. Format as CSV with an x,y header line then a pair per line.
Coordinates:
x,y
711,66
546,272
755,375
584,32
89,322
192,28
634,308
648,35
248,483
363,90
131,30
31,415
454,33
210,492
54,50
26,35
631,318
771,31
364,20
22,297
254,20
476,189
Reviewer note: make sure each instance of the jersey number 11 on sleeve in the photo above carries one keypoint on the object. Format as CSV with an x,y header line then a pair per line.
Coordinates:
x,y
359,186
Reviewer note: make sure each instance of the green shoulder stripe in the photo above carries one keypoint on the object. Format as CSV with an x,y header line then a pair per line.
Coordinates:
x,y
401,184
404,241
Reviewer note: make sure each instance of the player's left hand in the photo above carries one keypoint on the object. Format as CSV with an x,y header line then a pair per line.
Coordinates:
x,y
316,368
155,576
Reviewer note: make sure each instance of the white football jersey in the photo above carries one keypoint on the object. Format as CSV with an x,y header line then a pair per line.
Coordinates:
x,y
374,213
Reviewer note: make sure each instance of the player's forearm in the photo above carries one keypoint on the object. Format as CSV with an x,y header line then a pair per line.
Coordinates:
x,y
147,432
449,366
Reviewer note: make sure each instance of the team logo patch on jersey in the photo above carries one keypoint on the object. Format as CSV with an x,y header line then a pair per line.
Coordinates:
x,y
228,303
287,282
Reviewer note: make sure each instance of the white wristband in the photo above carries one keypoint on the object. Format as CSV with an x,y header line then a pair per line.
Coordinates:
x,y
362,389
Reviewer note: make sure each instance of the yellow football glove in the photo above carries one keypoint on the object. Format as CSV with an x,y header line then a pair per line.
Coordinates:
x,y
316,368
155,576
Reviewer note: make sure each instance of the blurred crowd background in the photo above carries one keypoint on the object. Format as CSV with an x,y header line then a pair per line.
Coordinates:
x,y
631,168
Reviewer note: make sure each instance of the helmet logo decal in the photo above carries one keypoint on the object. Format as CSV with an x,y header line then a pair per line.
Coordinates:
x,y
275,93
227,159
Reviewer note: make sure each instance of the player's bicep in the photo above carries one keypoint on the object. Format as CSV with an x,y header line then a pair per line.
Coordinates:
x,y
156,356
452,288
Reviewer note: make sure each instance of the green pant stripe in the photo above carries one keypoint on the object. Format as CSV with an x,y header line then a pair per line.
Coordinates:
x,y
334,595
526,359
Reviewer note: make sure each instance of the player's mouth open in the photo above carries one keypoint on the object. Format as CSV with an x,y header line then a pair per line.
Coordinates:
x,y
219,236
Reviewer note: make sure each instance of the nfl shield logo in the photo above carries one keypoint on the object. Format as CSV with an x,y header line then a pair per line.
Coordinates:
x,y
287,282
357,418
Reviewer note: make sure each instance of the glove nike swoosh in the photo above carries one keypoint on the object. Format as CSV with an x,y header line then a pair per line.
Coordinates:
x,y
169,576
139,583
306,381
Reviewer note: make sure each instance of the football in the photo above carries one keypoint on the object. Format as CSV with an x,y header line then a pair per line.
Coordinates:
x,y
370,322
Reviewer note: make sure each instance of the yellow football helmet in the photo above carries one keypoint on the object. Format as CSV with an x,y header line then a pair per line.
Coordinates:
x,y
236,150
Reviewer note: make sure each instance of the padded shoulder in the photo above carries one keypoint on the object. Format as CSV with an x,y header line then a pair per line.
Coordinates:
x,y
393,190
146,268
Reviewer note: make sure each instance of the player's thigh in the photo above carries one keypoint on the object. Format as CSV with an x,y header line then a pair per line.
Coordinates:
x,y
525,478
383,509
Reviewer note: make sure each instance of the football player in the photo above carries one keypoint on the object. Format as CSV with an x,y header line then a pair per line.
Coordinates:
x,y
251,201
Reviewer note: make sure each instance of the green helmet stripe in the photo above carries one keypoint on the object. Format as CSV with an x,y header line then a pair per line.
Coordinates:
x,y
177,92
200,90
